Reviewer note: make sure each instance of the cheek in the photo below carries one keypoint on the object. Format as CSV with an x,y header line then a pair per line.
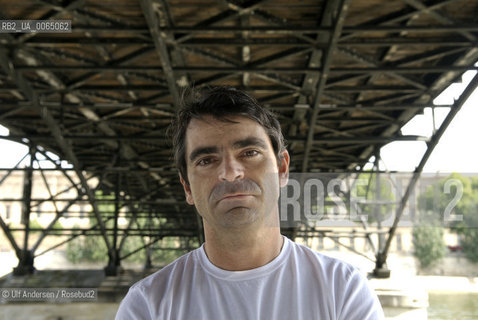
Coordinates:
x,y
200,191
271,184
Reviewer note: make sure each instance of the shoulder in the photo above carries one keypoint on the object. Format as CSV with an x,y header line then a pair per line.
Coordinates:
x,y
167,274
322,263
348,287
145,295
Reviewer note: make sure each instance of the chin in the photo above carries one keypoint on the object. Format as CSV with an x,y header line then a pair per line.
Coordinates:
x,y
238,217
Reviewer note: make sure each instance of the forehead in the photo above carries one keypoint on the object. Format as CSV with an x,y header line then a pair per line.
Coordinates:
x,y
209,131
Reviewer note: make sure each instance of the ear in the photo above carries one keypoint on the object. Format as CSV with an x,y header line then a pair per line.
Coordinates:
x,y
284,168
187,190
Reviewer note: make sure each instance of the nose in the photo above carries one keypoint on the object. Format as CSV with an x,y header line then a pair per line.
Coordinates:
x,y
230,169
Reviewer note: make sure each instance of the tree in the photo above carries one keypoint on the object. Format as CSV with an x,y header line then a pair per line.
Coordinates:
x,y
93,248
86,249
428,244
468,227
453,202
379,197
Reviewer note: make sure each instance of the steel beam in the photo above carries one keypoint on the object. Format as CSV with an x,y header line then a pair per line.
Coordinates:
x,y
130,57
22,83
381,258
114,261
283,30
151,12
169,108
335,20
10,238
292,42
360,140
362,70
126,151
398,16
292,30
439,17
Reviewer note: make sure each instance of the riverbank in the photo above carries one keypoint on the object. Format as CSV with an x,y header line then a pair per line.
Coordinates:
x,y
447,284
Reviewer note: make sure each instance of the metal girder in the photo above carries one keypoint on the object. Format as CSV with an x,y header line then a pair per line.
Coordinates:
x,y
276,107
310,80
83,232
158,201
187,232
249,88
372,63
358,140
381,258
22,83
415,41
398,16
336,20
125,150
125,59
438,16
201,42
177,57
417,70
429,55
291,139
254,65
283,30
10,238
152,12
58,215
72,158
372,88
232,11
293,30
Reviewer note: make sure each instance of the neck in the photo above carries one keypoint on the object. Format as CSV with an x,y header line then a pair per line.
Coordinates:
x,y
237,251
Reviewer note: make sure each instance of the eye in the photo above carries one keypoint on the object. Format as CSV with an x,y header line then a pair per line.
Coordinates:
x,y
204,162
251,153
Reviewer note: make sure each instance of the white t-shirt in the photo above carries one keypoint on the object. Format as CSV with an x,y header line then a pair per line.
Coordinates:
x,y
298,284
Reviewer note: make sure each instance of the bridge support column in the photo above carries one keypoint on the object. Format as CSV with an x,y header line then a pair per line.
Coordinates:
x,y
25,263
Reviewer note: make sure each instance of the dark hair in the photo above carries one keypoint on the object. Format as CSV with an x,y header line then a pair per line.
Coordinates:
x,y
221,103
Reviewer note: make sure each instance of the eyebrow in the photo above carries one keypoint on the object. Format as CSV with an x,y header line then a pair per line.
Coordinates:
x,y
247,142
250,141
200,151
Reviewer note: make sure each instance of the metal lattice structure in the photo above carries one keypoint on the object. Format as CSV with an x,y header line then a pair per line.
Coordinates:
x,y
343,76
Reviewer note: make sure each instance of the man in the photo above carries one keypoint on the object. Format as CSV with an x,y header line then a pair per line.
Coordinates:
x,y
232,162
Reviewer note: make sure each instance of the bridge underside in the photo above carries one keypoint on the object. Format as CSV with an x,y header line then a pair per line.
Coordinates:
x,y
343,76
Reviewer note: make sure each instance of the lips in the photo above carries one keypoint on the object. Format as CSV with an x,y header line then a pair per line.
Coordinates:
x,y
240,196
234,190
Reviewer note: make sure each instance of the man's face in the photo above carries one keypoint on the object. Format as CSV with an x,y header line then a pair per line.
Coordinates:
x,y
234,176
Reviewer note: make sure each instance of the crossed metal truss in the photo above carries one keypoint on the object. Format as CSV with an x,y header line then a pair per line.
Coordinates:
x,y
343,77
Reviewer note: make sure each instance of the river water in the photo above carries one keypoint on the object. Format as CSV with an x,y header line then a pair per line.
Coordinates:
x,y
453,306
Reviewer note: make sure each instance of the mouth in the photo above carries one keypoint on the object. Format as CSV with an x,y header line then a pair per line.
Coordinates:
x,y
240,196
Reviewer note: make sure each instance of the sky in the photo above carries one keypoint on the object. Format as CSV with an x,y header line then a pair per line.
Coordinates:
x,y
457,150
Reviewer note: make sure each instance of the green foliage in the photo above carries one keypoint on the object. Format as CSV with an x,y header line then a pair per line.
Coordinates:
x,y
446,200
453,202
87,249
469,241
164,257
428,244
383,198
162,252
93,248
34,224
